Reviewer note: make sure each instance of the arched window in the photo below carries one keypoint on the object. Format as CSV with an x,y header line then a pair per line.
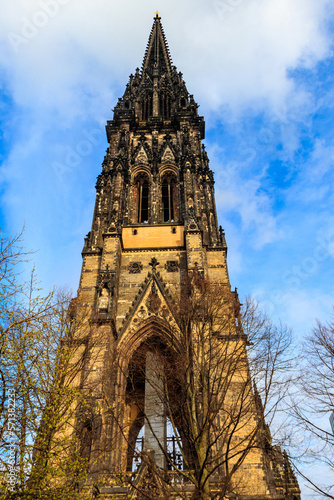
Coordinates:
x,y
164,105
147,106
142,198
169,199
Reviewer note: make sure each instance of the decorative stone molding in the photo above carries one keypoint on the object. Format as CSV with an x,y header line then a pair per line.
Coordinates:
x,y
154,263
153,302
106,279
135,267
172,266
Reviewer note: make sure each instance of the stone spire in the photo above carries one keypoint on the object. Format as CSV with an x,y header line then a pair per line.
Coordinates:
x,y
157,60
157,92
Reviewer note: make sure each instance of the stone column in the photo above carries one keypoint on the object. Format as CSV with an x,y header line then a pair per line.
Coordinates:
x,y
155,418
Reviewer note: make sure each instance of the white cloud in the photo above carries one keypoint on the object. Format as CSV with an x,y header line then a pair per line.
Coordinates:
x,y
302,309
239,191
236,59
298,308
321,161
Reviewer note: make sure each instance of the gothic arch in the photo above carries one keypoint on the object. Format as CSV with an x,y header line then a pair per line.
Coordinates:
x,y
118,182
153,336
183,101
168,169
146,105
169,193
205,229
141,196
140,169
165,104
132,339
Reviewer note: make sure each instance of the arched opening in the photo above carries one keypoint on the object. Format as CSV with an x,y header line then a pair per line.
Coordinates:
x,y
147,106
141,198
151,394
164,105
169,199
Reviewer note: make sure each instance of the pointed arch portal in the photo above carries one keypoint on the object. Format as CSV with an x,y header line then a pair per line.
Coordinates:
x,y
150,429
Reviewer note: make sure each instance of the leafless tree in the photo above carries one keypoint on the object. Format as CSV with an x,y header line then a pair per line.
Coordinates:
x,y
217,382
43,348
312,407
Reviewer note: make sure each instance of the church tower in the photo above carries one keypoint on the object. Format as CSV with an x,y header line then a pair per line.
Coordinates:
x,y
154,237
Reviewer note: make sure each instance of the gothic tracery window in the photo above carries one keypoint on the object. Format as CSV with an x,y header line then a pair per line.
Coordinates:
x,y
147,106
141,198
169,198
164,105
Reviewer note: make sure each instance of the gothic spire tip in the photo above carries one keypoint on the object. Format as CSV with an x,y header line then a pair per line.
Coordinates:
x,y
157,56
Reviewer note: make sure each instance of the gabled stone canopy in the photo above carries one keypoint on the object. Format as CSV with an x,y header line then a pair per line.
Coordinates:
x,y
152,300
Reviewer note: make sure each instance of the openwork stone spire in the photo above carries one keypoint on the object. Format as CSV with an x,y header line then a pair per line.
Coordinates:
x,y
157,60
157,91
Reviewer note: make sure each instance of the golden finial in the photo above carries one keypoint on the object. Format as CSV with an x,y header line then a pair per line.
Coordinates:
x,y
157,14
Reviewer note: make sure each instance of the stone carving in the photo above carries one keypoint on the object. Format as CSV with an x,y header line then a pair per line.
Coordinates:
x,y
154,263
105,288
142,313
104,300
153,302
172,266
106,279
135,267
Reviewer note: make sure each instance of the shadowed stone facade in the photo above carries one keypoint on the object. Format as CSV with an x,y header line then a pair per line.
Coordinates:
x,y
154,224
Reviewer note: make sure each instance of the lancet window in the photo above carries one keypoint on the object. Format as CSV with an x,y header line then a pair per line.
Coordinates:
x,y
169,198
147,106
151,429
164,105
142,198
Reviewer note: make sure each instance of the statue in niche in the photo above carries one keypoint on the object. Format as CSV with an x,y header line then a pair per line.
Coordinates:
x,y
104,299
114,211
115,207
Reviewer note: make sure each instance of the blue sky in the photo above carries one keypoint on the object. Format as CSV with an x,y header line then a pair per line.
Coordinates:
x,y
262,72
